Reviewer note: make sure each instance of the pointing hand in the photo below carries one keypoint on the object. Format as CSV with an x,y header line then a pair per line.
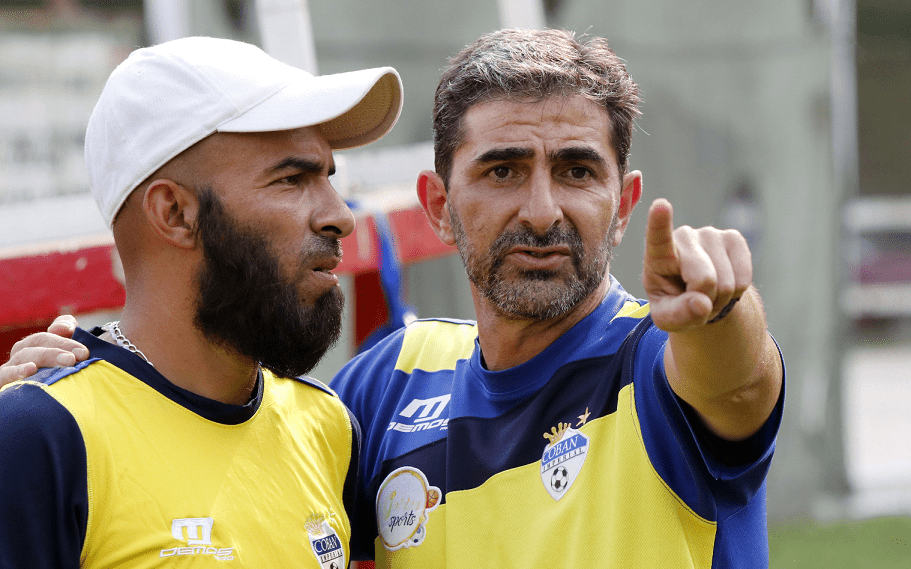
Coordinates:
x,y
691,275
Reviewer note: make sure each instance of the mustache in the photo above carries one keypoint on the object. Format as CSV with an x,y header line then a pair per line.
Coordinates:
x,y
316,249
526,237
320,247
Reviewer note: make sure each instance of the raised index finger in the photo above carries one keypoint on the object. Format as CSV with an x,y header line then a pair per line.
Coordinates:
x,y
659,232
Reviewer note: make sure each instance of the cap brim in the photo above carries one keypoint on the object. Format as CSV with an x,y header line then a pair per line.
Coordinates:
x,y
352,109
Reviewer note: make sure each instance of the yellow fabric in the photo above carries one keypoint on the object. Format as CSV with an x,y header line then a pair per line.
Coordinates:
x,y
438,355
258,481
632,309
511,520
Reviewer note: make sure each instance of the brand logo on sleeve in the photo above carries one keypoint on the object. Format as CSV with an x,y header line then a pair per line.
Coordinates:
x,y
424,415
196,533
562,459
403,507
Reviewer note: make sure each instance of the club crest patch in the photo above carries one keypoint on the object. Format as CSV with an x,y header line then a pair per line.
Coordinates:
x,y
403,507
562,459
325,543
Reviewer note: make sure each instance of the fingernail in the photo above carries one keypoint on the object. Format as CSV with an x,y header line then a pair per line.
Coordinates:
x,y
81,353
66,359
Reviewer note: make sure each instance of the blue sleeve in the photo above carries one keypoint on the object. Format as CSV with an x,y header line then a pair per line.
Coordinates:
x,y
360,385
350,491
43,484
694,463
361,514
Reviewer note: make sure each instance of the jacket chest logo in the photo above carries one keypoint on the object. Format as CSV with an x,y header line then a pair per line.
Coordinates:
x,y
562,459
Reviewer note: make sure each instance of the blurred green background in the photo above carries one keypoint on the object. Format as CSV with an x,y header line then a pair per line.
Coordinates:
x,y
879,543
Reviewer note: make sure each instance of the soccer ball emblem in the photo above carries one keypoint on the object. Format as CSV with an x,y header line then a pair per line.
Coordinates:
x,y
559,479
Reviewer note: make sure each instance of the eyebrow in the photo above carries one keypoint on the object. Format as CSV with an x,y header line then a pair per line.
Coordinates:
x,y
505,154
301,164
571,154
578,154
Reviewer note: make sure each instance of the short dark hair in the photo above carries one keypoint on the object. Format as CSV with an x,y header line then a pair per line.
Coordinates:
x,y
532,65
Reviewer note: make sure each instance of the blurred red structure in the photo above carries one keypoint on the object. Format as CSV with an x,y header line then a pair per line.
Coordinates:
x,y
39,283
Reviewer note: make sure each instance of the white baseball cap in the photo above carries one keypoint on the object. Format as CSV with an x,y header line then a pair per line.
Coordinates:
x,y
163,99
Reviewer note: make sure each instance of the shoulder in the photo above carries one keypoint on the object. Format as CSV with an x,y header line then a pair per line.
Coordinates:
x,y
305,382
306,387
51,375
622,325
436,344
419,344
424,353
643,337
429,345
427,334
307,393
33,422
34,395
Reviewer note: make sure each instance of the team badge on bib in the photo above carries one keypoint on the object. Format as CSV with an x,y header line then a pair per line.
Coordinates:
x,y
562,459
403,507
325,543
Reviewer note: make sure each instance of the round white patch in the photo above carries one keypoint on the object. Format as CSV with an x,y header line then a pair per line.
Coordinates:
x,y
403,505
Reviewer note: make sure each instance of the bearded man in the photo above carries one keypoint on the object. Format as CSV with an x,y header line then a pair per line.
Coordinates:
x,y
189,433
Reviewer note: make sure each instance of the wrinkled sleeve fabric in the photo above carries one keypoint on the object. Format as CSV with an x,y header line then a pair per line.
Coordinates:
x,y
721,481
733,472
43,481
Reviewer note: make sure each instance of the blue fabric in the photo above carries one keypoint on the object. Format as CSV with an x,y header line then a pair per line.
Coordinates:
x,y
43,457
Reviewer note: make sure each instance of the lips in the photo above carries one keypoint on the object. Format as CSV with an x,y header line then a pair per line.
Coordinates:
x,y
321,273
539,254
542,252
326,265
539,258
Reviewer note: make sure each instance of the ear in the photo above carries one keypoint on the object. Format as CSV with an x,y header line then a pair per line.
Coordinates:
x,y
433,197
171,209
630,193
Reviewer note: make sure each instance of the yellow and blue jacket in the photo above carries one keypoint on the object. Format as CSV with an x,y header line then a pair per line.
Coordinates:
x,y
581,457
108,464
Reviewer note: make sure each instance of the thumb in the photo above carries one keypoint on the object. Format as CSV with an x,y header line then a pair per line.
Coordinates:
x,y
681,312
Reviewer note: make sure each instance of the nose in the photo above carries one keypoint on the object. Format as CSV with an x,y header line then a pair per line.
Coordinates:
x,y
540,209
333,217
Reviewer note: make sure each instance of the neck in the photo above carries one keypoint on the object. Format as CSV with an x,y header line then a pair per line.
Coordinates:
x,y
507,341
161,326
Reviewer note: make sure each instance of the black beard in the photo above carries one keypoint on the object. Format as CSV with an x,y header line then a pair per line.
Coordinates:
x,y
246,305
535,294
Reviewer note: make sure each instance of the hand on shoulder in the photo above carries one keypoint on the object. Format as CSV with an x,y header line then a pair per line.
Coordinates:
x,y
44,349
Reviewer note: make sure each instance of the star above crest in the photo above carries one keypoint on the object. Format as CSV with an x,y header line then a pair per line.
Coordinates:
x,y
583,418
